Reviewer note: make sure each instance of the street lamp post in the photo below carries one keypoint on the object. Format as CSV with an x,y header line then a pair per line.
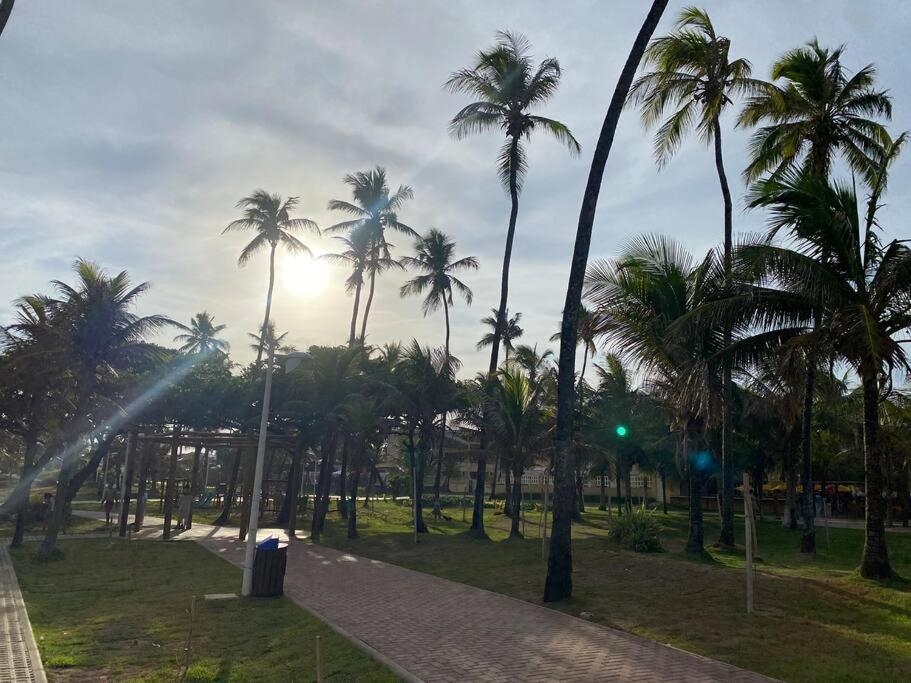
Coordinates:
x,y
291,361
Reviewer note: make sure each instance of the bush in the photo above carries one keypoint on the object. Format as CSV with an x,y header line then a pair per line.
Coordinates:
x,y
638,531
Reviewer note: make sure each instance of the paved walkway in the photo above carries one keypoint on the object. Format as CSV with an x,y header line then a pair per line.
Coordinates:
x,y
19,658
427,628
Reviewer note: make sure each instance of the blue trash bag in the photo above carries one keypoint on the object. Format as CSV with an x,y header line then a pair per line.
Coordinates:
x,y
270,543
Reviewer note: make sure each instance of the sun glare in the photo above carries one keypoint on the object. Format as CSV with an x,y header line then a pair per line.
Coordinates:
x,y
305,276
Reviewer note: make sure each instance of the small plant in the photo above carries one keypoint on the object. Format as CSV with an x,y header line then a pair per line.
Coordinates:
x,y
638,531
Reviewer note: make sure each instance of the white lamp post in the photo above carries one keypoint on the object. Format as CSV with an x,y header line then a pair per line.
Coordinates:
x,y
292,360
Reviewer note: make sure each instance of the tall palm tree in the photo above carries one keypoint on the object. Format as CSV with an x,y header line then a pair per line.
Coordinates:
x,y
357,256
373,210
508,88
528,358
816,112
559,582
200,337
434,256
510,332
270,218
695,77
863,288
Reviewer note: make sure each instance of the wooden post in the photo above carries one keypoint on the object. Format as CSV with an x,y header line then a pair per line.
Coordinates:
x,y
319,659
169,487
194,482
748,527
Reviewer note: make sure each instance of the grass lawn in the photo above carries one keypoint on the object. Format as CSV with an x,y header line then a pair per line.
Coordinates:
x,y
815,621
75,525
113,610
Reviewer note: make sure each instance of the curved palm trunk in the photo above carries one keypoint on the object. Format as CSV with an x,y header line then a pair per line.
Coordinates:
x,y
875,562
262,333
559,583
375,257
726,537
357,302
477,516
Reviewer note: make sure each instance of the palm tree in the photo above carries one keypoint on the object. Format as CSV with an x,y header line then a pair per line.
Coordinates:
x,y
587,327
697,79
434,254
532,362
641,298
200,336
357,256
508,88
270,339
519,429
98,337
374,210
270,218
511,331
860,291
559,583
818,111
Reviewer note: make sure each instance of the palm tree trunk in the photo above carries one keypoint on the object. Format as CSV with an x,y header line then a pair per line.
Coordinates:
x,y
789,519
439,472
294,492
875,562
231,490
507,492
6,7
142,486
375,257
695,542
357,302
628,485
617,469
602,505
262,333
496,474
342,478
559,582
194,483
132,443
169,487
516,503
808,539
477,516
31,448
663,473
355,480
726,538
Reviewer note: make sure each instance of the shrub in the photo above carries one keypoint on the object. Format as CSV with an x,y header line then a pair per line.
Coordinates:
x,y
638,531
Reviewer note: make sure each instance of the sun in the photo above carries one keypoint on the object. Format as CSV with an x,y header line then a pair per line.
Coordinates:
x,y
305,276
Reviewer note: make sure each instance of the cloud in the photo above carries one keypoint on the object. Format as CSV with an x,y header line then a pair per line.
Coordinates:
x,y
130,130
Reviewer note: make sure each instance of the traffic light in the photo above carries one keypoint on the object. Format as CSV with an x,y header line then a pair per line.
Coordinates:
x,y
621,430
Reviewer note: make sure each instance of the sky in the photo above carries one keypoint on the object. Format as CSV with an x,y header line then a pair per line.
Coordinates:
x,y
129,130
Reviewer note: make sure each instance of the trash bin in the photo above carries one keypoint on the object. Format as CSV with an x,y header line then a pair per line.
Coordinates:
x,y
269,564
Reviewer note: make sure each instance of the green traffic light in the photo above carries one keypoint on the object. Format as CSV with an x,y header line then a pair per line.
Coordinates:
x,y
621,430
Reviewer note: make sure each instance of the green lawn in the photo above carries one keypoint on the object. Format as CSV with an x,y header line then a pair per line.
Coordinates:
x,y
121,610
815,621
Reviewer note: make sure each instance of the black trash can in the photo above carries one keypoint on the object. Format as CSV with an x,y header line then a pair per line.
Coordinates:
x,y
269,571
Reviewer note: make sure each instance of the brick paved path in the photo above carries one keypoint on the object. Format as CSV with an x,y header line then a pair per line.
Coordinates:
x,y
19,658
432,629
